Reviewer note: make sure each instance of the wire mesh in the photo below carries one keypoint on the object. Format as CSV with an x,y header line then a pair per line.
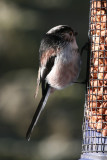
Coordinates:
x,y
95,112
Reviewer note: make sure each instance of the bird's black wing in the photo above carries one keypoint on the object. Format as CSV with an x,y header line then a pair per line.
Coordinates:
x,y
46,71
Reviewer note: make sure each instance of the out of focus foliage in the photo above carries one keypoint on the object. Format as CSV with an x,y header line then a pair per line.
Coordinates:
x,y
58,133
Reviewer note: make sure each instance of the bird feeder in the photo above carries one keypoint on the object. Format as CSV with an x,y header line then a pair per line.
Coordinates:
x,y
94,146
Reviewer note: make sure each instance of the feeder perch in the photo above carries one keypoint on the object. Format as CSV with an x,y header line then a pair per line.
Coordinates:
x,y
94,146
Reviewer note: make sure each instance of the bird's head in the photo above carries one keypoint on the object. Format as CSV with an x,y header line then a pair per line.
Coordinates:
x,y
64,31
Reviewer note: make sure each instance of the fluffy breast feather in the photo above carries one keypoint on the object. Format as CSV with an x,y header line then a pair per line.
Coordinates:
x,y
65,70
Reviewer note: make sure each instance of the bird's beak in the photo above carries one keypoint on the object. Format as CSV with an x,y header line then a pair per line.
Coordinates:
x,y
75,33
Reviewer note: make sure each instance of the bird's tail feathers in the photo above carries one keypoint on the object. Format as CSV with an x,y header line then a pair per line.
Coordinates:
x,y
38,84
38,112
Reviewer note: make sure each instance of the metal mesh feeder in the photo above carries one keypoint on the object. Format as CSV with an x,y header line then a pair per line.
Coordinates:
x,y
94,145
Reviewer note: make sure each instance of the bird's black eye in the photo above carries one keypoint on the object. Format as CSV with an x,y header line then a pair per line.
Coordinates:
x,y
70,33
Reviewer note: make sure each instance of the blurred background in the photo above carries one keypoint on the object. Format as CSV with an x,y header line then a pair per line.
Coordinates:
x,y
58,134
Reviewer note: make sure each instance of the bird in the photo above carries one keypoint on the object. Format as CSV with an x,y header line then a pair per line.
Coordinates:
x,y
59,65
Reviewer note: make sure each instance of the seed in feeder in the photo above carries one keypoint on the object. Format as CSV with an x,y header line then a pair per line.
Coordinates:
x,y
96,4
106,118
99,97
103,32
95,39
92,123
105,79
104,132
100,76
93,105
92,26
103,19
98,25
101,13
100,125
105,93
90,91
95,47
98,92
105,4
106,39
96,62
93,69
88,113
91,97
101,60
96,83
102,47
94,75
105,46
105,105
93,19
100,117
101,72
101,109
94,120
106,115
101,54
93,11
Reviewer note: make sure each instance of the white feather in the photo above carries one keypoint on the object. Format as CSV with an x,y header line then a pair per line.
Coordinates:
x,y
54,29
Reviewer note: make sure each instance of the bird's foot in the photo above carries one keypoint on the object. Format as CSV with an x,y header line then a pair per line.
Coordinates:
x,y
85,47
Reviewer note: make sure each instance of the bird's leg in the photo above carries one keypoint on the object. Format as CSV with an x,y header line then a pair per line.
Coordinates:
x,y
85,47
83,82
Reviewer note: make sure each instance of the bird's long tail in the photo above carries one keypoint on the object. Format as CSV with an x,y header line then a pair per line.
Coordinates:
x,y
39,109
